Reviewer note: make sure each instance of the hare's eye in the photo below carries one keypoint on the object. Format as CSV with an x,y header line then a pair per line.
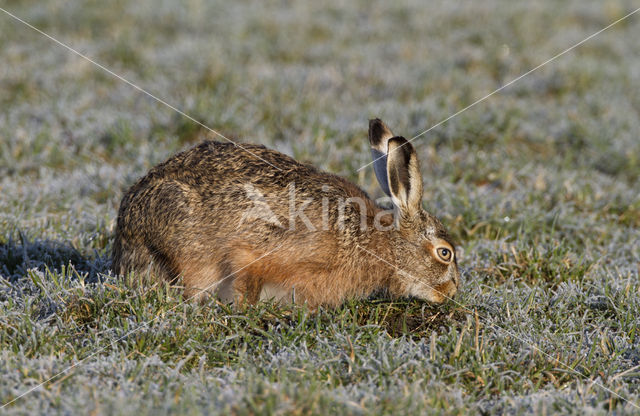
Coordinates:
x,y
444,253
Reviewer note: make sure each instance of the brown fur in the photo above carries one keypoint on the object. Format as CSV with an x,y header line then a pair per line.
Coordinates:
x,y
184,221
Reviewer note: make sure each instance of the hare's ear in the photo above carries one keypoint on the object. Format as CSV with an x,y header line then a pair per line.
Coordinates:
x,y
403,175
379,135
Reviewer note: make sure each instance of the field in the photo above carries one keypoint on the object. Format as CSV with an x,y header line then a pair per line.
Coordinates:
x,y
539,184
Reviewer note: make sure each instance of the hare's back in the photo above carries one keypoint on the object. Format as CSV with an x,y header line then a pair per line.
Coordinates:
x,y
222,165
223,162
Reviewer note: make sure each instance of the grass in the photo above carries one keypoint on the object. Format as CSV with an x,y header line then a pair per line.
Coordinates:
x,y
539,185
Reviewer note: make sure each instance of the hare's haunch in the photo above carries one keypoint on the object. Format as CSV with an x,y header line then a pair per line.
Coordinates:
x,y
223,220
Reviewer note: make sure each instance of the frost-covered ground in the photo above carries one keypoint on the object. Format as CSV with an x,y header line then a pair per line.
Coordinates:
x,y
540,185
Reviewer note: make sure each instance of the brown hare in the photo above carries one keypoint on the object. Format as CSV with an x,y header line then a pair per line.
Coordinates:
x,y
247,223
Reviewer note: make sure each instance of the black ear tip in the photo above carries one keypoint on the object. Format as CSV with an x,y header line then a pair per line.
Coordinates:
x,y
378,132
376,127
399,143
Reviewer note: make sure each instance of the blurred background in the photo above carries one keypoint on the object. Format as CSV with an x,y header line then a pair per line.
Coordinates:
x,y
304,78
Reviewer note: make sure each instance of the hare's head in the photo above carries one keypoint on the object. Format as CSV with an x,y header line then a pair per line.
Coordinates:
x,y
426,265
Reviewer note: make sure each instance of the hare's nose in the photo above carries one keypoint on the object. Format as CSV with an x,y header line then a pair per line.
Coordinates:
x,y
456,279
457,275
451,288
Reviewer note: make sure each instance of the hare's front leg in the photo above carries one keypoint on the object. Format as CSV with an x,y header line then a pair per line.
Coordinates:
x,y
202,281
246,286
253,288
283,276
283,284
255,285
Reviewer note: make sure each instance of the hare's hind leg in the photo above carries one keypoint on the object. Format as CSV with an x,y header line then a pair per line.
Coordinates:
x,y
129,258
146,224
140,261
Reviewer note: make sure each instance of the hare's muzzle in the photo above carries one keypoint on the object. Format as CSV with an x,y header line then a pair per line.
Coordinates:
x,y
443,292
